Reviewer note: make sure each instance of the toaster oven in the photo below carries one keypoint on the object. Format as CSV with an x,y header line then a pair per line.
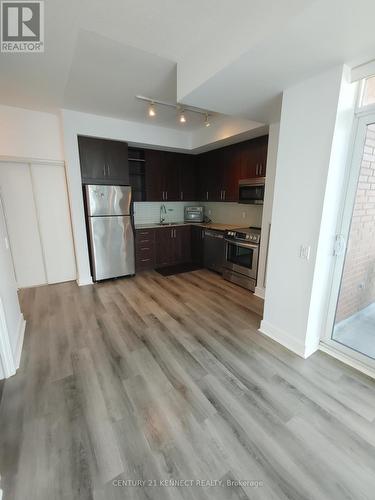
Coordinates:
x,y
194,214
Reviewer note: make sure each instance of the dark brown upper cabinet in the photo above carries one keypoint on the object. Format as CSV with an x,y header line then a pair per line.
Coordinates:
x,y
155,174
162,176
210,178
254,158
220,170
103,161
169,176
188,177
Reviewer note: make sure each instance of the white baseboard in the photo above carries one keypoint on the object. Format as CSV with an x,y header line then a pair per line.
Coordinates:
x,y
260,292
284,339
85,281
21,334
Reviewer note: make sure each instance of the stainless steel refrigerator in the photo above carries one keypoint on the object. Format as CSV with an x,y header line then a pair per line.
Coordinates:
x,y
111,232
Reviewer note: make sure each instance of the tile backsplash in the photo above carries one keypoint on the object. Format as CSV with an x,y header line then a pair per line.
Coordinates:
x,y
149,212
231,213
234,213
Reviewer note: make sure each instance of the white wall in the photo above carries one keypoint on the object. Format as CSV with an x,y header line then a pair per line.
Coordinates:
x,y
11,319
30,134
308,121
273,142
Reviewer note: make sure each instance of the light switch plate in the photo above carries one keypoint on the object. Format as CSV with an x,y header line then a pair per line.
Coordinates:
x,y
304,252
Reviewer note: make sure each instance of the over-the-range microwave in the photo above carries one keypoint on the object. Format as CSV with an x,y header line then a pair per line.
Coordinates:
x,y
251,191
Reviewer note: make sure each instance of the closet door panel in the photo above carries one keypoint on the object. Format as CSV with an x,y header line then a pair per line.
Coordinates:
x,y
22,224
51,199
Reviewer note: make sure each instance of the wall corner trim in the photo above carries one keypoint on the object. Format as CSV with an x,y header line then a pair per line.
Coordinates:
x,y
260,292
285,339
21,334
85,281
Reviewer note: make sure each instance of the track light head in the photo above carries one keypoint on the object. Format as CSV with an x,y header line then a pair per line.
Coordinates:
x,y
182,117
151,109
207,121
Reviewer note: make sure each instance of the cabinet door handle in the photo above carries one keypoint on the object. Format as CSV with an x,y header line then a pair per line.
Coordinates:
x,y
162,195
224,195
108,170
182,195
175,233
206,195
104,171
166,195
260,169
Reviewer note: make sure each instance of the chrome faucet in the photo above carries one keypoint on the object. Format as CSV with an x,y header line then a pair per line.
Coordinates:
x,y
163,213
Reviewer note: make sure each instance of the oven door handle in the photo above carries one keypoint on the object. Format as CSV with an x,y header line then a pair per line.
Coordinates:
x,y
244,245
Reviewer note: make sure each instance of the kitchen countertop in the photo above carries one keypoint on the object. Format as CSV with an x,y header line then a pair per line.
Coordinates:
x,y
208,225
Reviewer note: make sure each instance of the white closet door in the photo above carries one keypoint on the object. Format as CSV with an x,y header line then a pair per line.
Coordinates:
x,y
22,223
51,199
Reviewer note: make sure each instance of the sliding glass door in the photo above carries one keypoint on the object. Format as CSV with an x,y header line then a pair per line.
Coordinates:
x,y
353,298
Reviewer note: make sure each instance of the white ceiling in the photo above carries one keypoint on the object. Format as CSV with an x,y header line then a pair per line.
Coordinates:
x,y
324,34
232,57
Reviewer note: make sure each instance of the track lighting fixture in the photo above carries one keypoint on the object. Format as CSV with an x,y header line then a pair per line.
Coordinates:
x,y
180,110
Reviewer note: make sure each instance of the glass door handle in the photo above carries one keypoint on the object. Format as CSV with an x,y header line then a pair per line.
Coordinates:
x,y
339,246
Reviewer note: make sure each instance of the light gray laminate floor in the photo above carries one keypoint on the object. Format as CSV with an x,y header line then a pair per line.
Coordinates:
x,y
154,378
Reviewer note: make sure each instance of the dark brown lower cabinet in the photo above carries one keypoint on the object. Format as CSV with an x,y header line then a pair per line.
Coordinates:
x,y
173,245
144,249
165,243
197,240
183,244
167,246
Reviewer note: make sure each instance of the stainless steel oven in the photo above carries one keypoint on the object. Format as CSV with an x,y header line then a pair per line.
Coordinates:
x,y
241,256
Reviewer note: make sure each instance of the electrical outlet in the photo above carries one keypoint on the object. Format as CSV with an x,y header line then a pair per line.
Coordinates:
x,y
304,252
244,215
209,211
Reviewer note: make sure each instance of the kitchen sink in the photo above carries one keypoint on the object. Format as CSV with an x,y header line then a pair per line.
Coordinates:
x,y
171,224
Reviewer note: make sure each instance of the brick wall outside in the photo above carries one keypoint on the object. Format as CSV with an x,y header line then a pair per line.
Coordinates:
x,y
358,282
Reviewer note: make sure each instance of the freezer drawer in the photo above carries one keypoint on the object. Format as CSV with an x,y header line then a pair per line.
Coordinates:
x,y
112,246
108,200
